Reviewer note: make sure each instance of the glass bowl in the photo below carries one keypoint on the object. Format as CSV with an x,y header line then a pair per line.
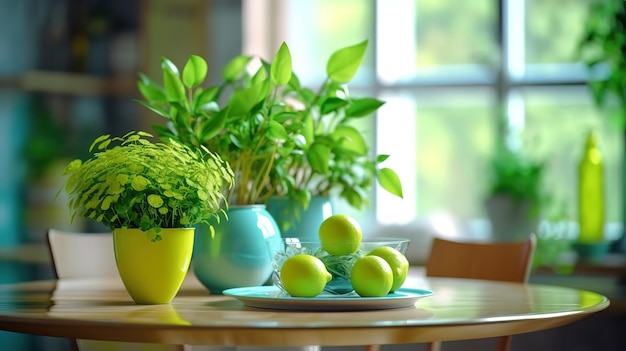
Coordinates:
x,y
339,266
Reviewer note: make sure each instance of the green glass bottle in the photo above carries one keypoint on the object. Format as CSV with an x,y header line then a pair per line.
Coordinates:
x,y
591,193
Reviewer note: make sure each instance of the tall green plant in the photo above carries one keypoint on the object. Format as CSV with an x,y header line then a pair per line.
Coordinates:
x,y
333,155
248,131
281,139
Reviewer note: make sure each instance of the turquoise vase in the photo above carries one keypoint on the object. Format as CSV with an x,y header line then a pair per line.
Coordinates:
x,y
294,221
236,254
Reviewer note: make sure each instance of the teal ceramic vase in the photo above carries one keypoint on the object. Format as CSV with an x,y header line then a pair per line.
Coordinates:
x,y
236,254
296,222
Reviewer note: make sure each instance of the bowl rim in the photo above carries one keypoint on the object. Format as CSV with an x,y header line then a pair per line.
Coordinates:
x,y
364,240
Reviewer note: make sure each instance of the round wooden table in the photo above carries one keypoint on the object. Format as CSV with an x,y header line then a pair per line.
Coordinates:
x,y
459,309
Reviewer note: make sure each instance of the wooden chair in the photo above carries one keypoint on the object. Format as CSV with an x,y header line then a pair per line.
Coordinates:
x,y
91,255
500,261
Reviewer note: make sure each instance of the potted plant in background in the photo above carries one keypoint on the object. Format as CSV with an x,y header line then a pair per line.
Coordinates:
x,y
515,194
150,195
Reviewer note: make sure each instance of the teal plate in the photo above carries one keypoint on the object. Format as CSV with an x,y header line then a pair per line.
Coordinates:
x,y
272,298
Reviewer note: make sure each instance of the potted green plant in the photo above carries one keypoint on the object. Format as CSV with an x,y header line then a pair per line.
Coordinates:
x,y
515,194
281,138
150,194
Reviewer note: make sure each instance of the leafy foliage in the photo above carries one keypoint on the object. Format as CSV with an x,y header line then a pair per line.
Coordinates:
x,y
517,175
332,155
281,139
247,132
131,182
603,48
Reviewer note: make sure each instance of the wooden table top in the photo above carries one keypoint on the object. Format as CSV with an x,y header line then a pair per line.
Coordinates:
x,y
460,309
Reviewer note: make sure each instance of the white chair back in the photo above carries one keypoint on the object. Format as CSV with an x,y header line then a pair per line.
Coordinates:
x,y
82,255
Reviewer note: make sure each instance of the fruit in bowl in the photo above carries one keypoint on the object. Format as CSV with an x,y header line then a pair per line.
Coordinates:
x,y
366,267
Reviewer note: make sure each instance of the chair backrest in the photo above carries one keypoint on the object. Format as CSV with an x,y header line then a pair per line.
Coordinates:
x,y
82,255
501,261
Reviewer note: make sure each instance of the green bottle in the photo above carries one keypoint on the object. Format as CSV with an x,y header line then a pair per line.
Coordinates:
x,y
591,193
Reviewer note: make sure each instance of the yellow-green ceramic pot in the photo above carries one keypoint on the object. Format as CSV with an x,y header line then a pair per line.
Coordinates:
x,y
153,272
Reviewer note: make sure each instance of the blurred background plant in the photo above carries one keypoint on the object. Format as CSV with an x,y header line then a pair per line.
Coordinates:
x,y
518,175
47,142
603,49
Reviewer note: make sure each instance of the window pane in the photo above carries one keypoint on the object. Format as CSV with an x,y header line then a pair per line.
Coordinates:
x,y
552,31
439,141
317,28
436,39
558,120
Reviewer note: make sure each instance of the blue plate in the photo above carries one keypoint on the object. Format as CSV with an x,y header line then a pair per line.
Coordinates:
x,y
272,298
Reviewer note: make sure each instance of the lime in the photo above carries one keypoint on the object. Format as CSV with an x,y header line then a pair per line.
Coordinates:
x,y
304,275
340,235
371,276
398,262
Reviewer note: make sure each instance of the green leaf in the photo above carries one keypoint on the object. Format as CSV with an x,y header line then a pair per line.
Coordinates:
x,y
390,181
285,150
174,89
363,107
159,111
180,116
381,158
235,68
308,129
259,76
244,101
213,126
348,138
276,131
150,90
166,64
319,158
300,141
164,132
344,63
99,140
353,198
203,97
195,71
283,117
294,82
280,72
332,105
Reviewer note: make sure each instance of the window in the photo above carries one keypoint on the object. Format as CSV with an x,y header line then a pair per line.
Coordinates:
x,y
445,69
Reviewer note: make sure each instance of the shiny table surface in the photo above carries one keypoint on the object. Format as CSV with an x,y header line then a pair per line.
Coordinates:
x,y
459,309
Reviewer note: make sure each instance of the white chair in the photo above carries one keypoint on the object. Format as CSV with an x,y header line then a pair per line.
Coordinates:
x,y
91,255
